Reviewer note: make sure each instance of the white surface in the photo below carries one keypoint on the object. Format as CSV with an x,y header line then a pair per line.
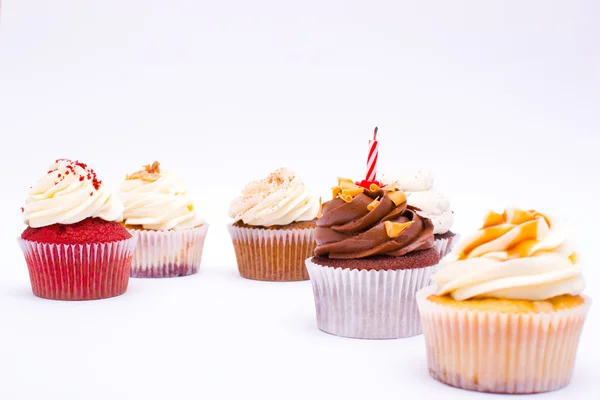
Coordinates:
x,y
499,100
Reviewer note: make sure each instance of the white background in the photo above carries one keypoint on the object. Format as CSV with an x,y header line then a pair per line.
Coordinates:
x,y
499,99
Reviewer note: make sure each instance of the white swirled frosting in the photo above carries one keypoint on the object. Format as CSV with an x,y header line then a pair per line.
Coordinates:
x,y
519,254
279,199
69,193
158,200
421,194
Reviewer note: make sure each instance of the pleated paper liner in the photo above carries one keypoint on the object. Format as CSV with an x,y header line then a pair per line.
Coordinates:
x,y
368,304
498,352
78,272
271,254
166,254
444,246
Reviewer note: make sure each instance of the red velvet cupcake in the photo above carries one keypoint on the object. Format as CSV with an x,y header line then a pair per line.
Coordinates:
x,y
74,246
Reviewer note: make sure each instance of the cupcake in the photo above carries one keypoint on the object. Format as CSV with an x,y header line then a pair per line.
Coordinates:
x,y
161,215
431,204
74,246
374,252
506,310
273,227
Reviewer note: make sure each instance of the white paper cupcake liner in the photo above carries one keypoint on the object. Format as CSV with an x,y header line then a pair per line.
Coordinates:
x,y
367,304
275,255
165,254
444,246
78,271
498,352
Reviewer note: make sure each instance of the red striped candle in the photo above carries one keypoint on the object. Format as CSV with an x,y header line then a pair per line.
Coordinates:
x,y
372,160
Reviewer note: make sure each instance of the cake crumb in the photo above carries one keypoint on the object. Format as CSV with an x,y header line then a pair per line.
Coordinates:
x,y
151,172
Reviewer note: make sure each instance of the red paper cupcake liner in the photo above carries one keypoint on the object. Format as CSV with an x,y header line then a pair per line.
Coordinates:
x,y
78,272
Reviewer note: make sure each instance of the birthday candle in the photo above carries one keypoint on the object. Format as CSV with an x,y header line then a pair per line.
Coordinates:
x,y
372,160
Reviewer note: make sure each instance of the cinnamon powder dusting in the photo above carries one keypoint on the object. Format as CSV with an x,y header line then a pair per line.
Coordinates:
x,y
278,178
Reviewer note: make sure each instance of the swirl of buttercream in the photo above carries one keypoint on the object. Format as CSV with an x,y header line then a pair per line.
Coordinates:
x,y
69,193
519,254
421,194
158,200
279,199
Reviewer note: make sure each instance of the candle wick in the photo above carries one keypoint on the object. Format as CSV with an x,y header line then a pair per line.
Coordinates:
x,y
375,133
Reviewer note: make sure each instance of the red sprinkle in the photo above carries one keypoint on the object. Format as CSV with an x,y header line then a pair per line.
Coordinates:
x,y
89,173
91,193
22,209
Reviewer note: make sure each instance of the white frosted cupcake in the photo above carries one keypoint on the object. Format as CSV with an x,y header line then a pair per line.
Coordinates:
x,y
506,311
273,227
431,203
74,244
160,213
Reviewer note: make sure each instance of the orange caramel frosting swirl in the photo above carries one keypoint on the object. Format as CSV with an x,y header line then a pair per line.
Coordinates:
x,y
361,223
519,254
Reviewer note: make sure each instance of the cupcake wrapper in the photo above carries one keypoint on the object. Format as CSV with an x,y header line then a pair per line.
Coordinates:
x,y
271,254
80,271
367,304
166,254
497,352
444,246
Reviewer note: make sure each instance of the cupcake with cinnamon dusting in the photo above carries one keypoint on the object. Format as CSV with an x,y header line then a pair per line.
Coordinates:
x,y
74,246
273,228
374,252
506,310
160,213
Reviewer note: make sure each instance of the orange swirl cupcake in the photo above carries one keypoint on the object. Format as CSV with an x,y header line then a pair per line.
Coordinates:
x,y
506,311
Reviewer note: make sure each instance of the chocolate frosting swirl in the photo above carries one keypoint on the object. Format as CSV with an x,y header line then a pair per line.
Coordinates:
x,y
358,229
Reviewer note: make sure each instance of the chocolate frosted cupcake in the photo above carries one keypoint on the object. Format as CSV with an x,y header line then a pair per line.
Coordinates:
x,y
430,203
74,246
373,254
160,213
273,228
